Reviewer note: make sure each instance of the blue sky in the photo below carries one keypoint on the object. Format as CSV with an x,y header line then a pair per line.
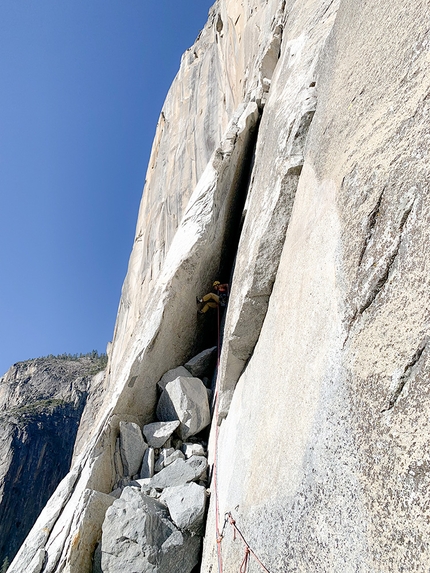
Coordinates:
x,y
82,83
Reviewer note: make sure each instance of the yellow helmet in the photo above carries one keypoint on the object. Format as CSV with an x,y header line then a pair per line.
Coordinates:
x,y
216,283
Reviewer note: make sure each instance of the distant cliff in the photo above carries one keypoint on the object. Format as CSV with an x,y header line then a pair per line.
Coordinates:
x,y
41,403
291,160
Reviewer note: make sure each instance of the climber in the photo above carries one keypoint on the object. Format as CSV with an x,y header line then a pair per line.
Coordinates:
x,y
212,300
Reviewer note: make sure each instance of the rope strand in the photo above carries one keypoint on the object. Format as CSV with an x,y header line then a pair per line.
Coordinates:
x,y
228,518
218,534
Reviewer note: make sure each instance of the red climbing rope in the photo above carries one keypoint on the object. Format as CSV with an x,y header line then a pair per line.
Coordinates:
x,y
248,550
218,534
228,518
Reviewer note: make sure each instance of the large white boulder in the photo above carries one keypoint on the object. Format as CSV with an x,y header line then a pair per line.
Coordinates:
x,y
186,400
186,504
158,433
139,536
172,375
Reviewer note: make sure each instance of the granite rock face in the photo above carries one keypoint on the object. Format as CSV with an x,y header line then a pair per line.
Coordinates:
x,y
290,160
41,403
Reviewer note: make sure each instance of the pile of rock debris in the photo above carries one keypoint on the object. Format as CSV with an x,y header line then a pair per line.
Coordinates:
x,y
156,522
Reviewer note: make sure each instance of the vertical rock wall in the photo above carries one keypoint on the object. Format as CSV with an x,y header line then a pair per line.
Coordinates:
x,y
323,438
323,456
41,402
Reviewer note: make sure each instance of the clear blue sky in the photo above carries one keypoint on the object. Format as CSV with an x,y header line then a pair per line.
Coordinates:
x,y
82,83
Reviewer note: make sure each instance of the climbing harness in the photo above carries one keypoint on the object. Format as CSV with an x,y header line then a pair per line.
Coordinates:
x,y
228,518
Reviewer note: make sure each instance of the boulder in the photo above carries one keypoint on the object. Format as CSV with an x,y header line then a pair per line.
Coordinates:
x,y
147,468
187,505
189,450
132,447
186,400
171,375
177,473
164,454
158,433
203,363
139,536
168,458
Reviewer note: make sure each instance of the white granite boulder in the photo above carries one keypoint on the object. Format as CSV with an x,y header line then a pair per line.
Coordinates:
x,y
158,433
202,364
167,457
139,536
171,375
187,505
177,473
132,447
186,400
189,450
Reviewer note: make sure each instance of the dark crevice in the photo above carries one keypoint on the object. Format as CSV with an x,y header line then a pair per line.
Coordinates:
x,y
235,222
371,226
406,375
207,335
246,333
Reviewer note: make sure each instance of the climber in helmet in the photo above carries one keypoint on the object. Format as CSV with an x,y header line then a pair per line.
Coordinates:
x,y
213,299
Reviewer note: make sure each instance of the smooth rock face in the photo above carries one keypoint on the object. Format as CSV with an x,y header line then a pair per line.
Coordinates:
x,y
177,473
89,532
139,537
158,433
186,400
171,375
186,504
132,446
202,364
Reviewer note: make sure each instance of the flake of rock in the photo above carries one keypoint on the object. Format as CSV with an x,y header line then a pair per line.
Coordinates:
x,y
186,400
203,363
175,455
187,505
116,493
147,468
177,473
132,446
192,450
171,375
119,468
139,536
158,433
164,453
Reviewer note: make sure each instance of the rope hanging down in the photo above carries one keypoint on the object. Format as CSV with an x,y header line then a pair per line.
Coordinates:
x,y
228,518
